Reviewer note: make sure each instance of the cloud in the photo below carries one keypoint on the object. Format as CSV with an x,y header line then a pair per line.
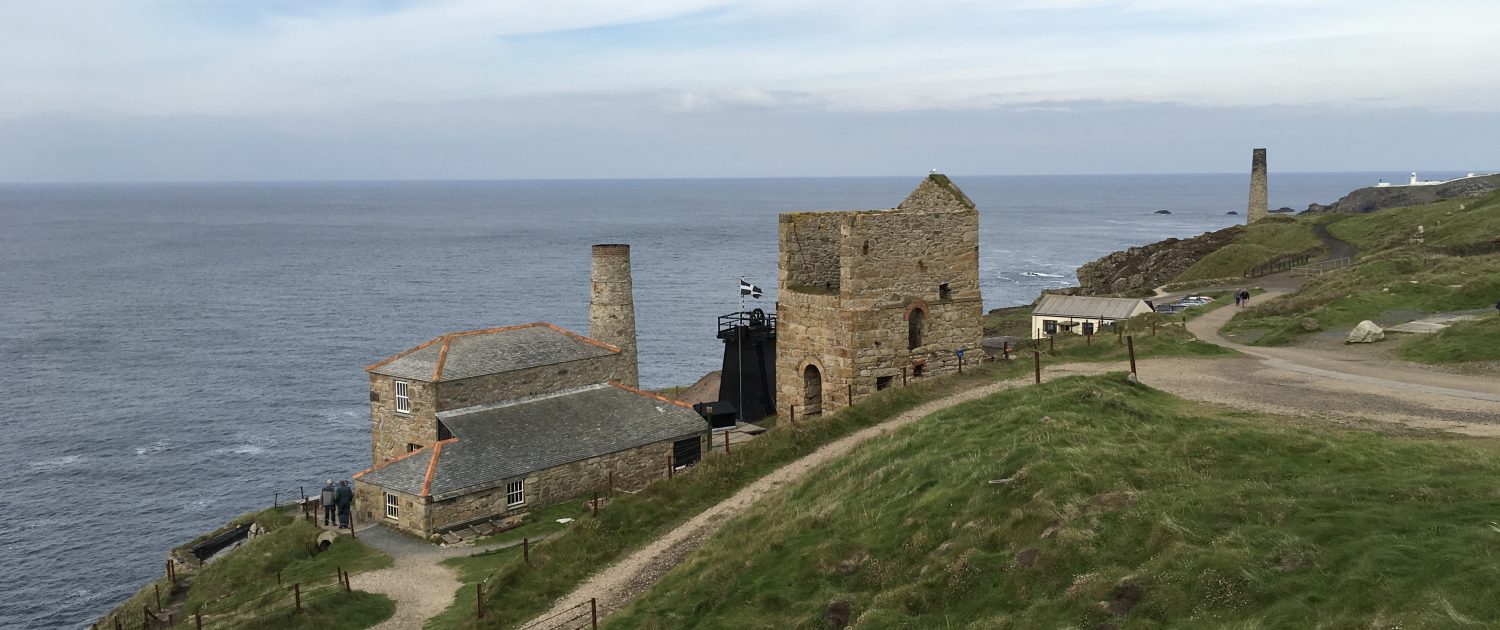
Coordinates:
x,y
287,58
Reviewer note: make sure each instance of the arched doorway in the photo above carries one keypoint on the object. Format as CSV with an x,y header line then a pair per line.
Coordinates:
x,y
812,391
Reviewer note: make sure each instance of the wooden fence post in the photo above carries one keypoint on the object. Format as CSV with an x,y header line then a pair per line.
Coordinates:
x,y
1037,361
596,504
851,385
669,466
594,612
526,551
278,577
610,491
198,619
1006,350
479,599
1130,343
1153,329
158,595
726,442
903,376
1052,343
297,594
117,624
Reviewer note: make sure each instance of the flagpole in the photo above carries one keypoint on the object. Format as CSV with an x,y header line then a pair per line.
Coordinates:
x,y
740,359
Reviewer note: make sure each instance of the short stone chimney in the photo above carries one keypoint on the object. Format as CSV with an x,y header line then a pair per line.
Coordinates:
x,y
1258,204
612,306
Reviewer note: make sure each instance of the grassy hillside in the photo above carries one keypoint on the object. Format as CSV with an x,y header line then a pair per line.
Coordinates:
x,y
1092,501
1396,280
1261,242
247,579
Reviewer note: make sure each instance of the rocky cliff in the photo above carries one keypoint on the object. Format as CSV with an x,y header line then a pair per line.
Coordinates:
x,y
1141,269
1377,198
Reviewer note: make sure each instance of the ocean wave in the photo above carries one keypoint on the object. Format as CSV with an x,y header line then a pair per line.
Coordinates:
x,y
1038,274
253,445
154,447
55,463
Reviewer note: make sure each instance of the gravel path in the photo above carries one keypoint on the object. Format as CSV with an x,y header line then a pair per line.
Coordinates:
x,y
419,584
617,584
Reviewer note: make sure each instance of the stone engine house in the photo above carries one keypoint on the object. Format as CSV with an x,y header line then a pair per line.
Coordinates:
x,y
486,424
870,298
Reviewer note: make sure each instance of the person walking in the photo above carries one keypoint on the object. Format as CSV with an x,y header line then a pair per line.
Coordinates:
x,y
344,498
1244,298
1237,293
327,499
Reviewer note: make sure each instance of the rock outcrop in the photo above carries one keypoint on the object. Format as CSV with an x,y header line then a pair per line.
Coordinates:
x,y
1366,332
1141,269
1377,198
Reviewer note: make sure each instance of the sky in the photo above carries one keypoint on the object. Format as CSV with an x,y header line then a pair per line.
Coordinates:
x,y
193,90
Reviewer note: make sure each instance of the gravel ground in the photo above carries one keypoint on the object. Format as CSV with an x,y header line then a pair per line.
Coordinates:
x,y
420,586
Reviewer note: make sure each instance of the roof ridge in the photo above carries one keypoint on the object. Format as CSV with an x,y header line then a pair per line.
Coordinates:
x,y
437,451
618,385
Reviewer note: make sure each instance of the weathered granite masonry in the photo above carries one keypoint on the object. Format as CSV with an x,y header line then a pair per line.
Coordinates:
x,y
632,468
851,285
391,432
612,305
1258,203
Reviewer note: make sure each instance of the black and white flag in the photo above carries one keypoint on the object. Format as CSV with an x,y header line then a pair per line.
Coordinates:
x,y
749,289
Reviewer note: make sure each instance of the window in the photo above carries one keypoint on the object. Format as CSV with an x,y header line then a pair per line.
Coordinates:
x,y
944,293
917,370
914,329
412,447
1049,326
1088,328
866,249
392,506
515,493
883,382
403,397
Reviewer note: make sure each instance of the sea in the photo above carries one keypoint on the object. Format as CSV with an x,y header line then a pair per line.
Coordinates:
x,y
177,354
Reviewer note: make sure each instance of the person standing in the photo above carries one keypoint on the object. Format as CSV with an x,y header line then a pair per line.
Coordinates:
x,y
344,498
327,499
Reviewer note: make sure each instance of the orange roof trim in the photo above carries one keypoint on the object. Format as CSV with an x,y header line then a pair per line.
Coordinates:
x,y
437,451
390,461
647,394
437,371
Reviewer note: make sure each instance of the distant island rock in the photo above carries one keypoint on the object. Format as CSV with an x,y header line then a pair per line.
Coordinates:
x,y
1162,212
1282,210
1233,213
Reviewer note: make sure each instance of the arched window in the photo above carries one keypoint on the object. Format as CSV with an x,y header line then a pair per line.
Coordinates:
x,y
914,323
812,391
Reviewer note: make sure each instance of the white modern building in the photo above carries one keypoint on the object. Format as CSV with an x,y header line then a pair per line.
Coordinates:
x,y
1082,315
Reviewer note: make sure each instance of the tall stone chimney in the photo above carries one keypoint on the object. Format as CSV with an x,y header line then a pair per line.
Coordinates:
x,y
1258,203
612,306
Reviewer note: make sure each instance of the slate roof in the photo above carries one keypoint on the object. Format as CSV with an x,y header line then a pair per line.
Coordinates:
x,y
1086,307
491,351
492,443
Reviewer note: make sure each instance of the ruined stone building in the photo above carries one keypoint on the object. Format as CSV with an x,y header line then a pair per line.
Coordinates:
x,y
871,298
485,424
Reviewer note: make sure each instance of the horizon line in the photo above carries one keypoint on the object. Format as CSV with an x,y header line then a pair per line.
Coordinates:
x,y
1246,172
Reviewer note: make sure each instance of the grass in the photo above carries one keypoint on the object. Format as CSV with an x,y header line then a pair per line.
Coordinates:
x,y
1112,492
1261,242
1171,338
558,565
340,611
1446,224
1394,287
1464,342
252,569
1013,321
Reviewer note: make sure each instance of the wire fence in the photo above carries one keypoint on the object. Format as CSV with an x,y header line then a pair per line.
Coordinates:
x,y
580,616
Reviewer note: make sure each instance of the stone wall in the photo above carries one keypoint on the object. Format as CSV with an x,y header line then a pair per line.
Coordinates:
x,y
544,379
612,306
632,468
810,243
922,257
369,507
391,431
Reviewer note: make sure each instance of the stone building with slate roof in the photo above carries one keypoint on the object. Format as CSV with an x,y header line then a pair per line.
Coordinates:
x,y
489,423
869,299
